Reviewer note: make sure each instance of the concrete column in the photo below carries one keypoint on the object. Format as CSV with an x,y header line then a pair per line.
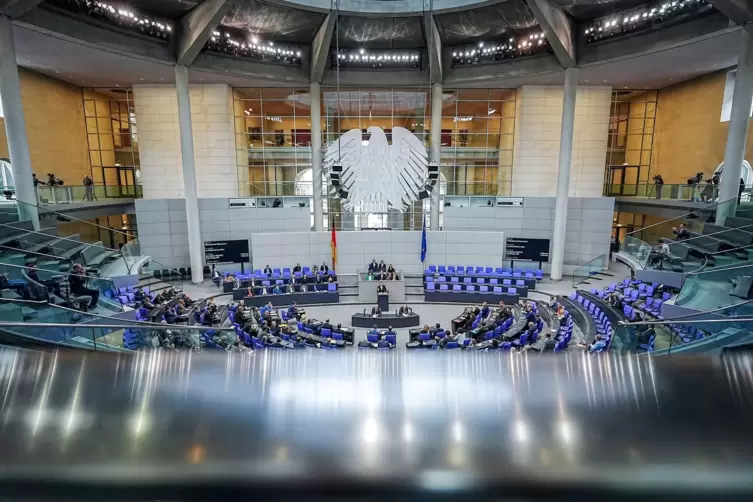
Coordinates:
x,y
15,126
563,173
189,175
737,131
316,155
436,145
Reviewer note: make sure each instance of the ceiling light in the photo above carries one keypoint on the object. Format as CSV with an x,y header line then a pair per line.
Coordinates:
x,y
481,44
361,51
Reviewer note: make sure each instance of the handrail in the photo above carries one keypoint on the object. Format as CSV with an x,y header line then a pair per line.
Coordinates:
x,y
713,234
729,250
175,327
719,269
56,237
128,321
56,272
43,208
26,251
680,318
712,206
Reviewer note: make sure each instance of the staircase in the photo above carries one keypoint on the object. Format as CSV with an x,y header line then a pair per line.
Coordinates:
x,y
414,287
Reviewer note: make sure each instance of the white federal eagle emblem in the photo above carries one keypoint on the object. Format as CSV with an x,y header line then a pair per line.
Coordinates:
x,y
377,175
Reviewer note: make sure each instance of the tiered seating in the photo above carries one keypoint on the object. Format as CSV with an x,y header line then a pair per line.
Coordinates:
x,y
636,296
603,326
481,280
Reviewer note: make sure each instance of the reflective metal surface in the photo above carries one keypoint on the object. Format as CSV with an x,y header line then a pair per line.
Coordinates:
x,y
187,426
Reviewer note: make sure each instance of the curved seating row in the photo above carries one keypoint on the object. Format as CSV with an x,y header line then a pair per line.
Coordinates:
x,y
580,316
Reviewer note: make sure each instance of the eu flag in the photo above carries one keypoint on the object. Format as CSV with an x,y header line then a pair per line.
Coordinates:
x,y
423,241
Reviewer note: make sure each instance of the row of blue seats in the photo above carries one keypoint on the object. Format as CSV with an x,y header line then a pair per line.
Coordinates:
x,y
431,286
603,326
478,280
515,273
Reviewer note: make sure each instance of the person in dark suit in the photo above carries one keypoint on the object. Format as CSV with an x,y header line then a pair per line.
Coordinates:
x,y
373,267
376,311
324,268
405,310
268,270
485,311
381,289
681,233
547,345
326,325
390,269
382,266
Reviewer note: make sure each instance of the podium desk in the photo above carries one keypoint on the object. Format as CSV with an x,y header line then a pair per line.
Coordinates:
x,y
383,300
384,321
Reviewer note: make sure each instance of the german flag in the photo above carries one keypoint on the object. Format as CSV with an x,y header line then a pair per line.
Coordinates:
x,y
333,243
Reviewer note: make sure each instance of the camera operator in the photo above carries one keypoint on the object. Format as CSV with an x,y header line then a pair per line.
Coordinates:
x,y
659,182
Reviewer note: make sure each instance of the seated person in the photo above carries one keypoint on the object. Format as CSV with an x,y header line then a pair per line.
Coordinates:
x,y
437,327
485,310
297,268
597,346
170,294
339,328
392,276
236,282
264,290
324,268
376,311
266,308
181,310
373,331
391,269
249,291
290,289
659,254
292,310
382,275
561,313
405,311
268,270
325,325
276,290
147,303
330,279
138,296
373,267
304,287
425,329
213,311
546,345
381,289
382,266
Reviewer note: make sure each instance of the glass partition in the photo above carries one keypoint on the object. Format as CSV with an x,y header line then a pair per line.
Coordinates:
x,y
698,334
716,288
66,194
53,286
638,250
590,268
44,323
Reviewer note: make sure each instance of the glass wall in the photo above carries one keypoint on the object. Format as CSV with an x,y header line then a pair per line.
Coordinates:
x,y
630,143
273,142
478,137
112,137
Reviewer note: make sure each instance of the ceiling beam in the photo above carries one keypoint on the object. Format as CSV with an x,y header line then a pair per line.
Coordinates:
x,y
320,47
738,11
434,46
558,28
17,8
195,28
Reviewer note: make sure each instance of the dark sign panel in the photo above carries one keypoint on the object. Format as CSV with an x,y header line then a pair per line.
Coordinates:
x,y
219,252
519,248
